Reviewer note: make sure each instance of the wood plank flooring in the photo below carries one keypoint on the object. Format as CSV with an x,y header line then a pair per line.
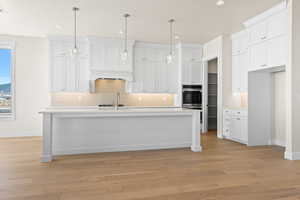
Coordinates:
x,y
224,170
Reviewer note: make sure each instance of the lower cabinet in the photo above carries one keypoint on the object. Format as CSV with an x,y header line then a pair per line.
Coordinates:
x,y
235,125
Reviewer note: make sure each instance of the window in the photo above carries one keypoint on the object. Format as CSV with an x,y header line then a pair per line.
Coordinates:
x,y
6,81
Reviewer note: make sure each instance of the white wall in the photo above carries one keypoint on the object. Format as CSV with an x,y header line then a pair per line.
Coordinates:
x,y
293,83
279,109
31,76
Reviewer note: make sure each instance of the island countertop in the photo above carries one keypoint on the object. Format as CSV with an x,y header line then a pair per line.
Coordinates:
x,y
80,130
120,110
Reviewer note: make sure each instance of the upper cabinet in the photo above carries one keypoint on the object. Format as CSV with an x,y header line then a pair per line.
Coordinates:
x,y
191,64
240,62
240,42
105,58
151,72
268,38
212,49
69,72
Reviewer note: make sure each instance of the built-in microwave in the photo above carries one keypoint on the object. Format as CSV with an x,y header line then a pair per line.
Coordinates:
x,y
192,96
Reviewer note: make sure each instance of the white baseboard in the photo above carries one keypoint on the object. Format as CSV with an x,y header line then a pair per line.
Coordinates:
x,y
292,155
17,134
119,148
278,143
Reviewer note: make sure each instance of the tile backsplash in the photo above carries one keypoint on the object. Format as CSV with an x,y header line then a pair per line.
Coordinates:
x,y
105,94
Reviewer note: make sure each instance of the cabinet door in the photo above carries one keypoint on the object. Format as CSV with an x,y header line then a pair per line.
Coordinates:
x,y
161,78
235,128
258,56
258,32
186,73
236,79
277,25
277,51
240,43
149,77
244,130
59,73
197,72
82,74
244,62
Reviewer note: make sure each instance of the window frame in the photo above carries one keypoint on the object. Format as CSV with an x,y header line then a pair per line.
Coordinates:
x,y
10,44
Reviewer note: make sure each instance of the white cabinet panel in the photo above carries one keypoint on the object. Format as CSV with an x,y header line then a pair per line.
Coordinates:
x,y
151,72
277,51
69,72
240,73
211,49
236,71
244,63
105,55
235,125
258,55
192,66
235,128
258,32
59,73
277,25
240,42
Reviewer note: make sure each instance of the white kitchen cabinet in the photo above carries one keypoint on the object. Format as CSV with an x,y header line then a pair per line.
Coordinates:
x,y
240,42
235,125
240,62
268,27
258,55
236,74
191,64
151,72
277,25
268,38
211,49
258,32
270,53
106,54
69,72
277,51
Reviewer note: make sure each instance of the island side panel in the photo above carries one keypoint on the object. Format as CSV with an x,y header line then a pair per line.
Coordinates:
x,y
47,137
196,127
76,135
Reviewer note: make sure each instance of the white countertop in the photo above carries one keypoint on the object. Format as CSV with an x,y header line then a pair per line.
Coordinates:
x,y
112,110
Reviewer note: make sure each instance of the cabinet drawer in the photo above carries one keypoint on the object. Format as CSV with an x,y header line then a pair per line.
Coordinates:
x,y
239,113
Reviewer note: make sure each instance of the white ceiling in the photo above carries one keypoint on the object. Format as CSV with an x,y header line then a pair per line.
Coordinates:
x,y
196,20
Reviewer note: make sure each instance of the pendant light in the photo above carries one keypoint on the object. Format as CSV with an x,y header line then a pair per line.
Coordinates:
x,y
75,48
170,56
124,54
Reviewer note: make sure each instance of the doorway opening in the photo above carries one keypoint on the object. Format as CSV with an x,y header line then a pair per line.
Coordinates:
x,y
211,92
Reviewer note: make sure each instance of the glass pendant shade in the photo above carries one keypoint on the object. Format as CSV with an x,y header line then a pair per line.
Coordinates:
x,y
124,55
169,59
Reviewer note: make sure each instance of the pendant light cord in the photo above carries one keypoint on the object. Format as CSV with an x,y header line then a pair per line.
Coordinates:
x,y
171,21
126,32
75,9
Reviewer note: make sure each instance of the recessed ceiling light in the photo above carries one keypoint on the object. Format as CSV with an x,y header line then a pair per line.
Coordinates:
x,y
220,3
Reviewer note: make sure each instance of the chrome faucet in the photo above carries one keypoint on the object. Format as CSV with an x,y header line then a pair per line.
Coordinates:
x,y
117,100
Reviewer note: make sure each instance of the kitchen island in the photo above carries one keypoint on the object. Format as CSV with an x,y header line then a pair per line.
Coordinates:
x,y
91,130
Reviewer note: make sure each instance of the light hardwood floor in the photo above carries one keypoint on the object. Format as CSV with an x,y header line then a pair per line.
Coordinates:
x,y
224,170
